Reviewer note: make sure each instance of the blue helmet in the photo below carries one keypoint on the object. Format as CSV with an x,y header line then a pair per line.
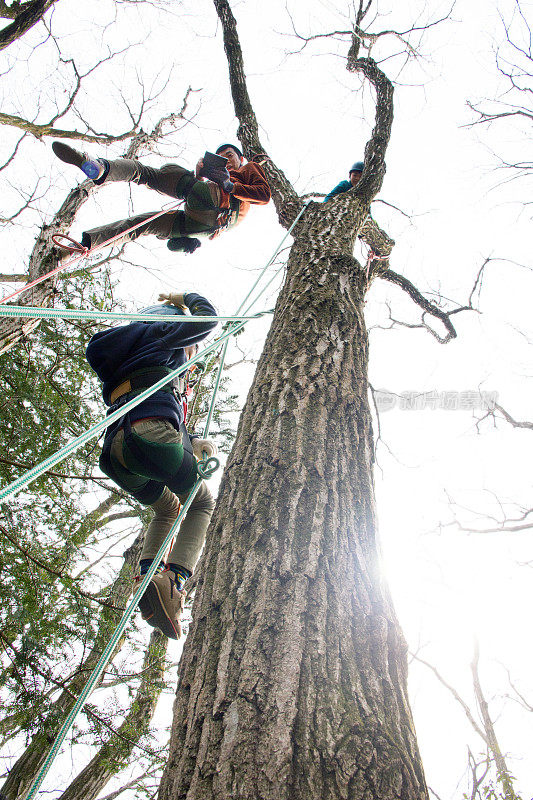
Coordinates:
x,y
357,167
165,309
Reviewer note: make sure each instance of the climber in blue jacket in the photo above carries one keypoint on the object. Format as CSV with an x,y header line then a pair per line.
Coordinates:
x,y
148,452
354,177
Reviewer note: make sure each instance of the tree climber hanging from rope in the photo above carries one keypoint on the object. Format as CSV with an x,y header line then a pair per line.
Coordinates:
x,y
211,206
354,176
148,452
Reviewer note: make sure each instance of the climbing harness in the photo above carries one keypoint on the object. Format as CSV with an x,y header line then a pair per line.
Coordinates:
x,y
206,467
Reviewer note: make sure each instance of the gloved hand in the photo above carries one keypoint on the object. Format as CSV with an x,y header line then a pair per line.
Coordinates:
x,y
199,446
183,244
198,170
174,298
220,176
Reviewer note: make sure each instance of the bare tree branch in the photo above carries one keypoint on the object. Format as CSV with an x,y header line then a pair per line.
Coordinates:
x,y
464,705
45,129
427,305
30,13
374,171
515,423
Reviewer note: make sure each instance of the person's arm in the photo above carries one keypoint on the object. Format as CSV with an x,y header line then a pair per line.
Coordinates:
x,y
341,187
185,334
250,184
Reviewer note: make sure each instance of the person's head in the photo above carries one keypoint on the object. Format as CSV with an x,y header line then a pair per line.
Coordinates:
x,y
162,309
355,172
232,153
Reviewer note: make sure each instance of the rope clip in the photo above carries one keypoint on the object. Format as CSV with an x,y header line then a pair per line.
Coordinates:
x,y
71,245
207,466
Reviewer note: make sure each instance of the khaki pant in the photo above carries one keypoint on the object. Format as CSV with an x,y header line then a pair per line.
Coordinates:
x,y
190,538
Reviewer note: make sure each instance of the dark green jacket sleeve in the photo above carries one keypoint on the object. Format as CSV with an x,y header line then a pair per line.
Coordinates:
x,y
341,187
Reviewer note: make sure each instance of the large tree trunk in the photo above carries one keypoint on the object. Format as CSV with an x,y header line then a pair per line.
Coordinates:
x,y
293,678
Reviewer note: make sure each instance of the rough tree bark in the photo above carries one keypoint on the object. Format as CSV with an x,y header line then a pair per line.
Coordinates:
x,y
293,678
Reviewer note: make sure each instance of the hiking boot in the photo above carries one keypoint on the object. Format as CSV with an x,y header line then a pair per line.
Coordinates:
x,y
92,167
162,604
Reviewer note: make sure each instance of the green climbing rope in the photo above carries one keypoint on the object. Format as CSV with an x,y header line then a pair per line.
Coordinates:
x,y
39,312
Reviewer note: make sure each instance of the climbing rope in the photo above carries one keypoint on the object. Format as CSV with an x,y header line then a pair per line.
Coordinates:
x,y
98,427
233,328
112,316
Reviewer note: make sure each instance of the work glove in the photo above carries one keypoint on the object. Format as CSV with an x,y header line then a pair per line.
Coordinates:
x,y
174,298
219,176
183,244
198,169
199,446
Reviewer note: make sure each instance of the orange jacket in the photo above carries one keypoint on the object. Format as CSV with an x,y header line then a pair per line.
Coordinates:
x,y
249,187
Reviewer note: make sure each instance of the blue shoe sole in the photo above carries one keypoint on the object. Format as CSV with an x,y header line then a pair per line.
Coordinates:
x,y
91,169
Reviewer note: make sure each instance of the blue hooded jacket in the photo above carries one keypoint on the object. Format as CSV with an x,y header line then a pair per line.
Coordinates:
x,y
116,353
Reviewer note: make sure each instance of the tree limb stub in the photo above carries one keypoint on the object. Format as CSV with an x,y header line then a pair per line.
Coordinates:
x,y
428,307
376,238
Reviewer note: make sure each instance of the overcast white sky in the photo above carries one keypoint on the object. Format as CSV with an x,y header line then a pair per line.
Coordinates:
x,y
448,585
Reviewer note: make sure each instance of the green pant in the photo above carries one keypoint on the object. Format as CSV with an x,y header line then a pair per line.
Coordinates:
x,y
153,465
198,218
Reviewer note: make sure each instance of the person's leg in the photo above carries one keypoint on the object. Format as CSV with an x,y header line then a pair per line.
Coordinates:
x,y
163,444
161,227
188,544
173,225
161,605
170,179
166,509
202,198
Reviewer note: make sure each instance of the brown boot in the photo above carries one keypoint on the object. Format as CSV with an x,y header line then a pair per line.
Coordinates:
x,y
162,604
